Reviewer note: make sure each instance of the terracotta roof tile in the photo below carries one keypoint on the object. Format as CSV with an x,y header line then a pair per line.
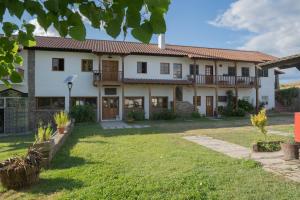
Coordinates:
x,y
119,47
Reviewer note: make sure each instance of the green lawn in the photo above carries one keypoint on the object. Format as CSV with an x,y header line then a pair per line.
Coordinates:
x,y
151,163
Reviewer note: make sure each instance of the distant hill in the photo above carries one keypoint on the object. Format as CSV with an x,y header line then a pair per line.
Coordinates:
x,y
289,85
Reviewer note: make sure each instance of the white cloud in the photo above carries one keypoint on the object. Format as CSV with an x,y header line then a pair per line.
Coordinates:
x,y
41,32
274,25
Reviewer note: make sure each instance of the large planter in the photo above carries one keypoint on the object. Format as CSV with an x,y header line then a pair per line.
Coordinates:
x,y
267,146
290,151
17,173
61,130
45,148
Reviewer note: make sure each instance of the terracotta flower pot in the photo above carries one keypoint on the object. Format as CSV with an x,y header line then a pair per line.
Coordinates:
x,y
290,151
61,130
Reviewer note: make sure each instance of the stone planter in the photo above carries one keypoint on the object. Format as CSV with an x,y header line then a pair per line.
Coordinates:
x,y
61,130
45,148
268,146
290,151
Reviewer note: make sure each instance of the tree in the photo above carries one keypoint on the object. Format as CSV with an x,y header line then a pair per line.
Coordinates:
x,y
142,17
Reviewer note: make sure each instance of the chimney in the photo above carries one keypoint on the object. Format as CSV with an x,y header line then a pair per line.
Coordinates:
x,y
161,41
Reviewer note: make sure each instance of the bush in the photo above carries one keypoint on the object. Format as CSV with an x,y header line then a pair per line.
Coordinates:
x,y
245,105
164,115
61,119
260,121
286,97
196,114
240,112
136,115
83,113
270,146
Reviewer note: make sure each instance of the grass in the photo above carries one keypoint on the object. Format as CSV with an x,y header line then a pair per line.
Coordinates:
x,y
153,163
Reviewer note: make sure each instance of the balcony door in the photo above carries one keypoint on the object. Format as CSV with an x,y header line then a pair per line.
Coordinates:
x,y
110,70
209,72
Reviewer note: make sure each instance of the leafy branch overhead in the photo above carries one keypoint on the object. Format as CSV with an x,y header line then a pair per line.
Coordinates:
x,y
142,17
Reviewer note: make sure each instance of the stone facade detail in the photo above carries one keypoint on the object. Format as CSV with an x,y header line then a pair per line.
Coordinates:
x,y
184,108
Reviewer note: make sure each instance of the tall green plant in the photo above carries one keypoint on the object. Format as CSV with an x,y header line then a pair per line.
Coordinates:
x,y
44,133
61,119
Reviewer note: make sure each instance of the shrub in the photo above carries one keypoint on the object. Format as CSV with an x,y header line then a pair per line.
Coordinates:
x,y
83,113
240,112
268,146
136,115
196,114
287,96
61,119
164,115
44,133
245,105
260,121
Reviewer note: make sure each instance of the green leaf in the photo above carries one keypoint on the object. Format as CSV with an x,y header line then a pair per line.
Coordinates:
x,y
33,7
15,8
9,28
162,5
133,17
61,27
143,33
44,21
29,28
74,19
2,11
77,32
15,77
52,5
113,28
158,22
26,40
18,60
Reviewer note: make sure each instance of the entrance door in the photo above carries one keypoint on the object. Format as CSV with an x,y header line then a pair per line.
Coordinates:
x,y
209,106
209,72
110,108
179,95
110,70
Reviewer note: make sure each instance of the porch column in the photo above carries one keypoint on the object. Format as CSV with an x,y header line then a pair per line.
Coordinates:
x,y
123,92
216,88
99,104
174,99
31,90
256,89
236,86
195,86
150,102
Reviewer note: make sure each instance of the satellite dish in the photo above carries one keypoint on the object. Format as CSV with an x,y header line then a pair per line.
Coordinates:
x,y
70,79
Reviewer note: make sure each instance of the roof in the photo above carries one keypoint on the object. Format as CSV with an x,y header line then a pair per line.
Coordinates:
x,y
136,48
283,63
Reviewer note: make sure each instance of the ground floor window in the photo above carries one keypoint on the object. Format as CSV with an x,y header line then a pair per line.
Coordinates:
x,y
222,99
265,100
160,102
134,102
50,103
80,101
197,100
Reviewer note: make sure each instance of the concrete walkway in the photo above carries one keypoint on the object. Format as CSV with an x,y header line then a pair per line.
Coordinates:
x,y
120,125
271,162
281,133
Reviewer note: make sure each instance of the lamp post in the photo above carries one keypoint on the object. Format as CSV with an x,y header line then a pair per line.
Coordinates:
x,y
70,85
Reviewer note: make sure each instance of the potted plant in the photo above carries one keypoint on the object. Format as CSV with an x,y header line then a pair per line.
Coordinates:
x,y
61,119
290,149
260,121
44,143
19,172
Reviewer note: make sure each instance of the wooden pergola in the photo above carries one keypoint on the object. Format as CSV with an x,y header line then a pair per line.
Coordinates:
x,y
283,63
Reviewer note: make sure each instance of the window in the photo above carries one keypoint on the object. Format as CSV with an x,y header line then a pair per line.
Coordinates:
x,y
263,72
198,100
245,72
58,64
222,99
164,68
142,67
50,103
110,91
160,102
134,102
177,70
231,71
86,65
192,69
265,100
80,101
246,98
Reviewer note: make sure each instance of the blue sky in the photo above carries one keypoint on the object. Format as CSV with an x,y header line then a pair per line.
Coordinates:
x,y
266,25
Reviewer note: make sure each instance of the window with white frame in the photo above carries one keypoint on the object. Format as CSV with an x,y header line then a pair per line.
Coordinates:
x,y
142,67
177,70
164,68
246,98
265,100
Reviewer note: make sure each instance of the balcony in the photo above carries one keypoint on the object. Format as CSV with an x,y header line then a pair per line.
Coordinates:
x,y
111,77
225,81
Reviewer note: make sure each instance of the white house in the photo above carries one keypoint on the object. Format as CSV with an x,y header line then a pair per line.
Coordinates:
x,y
117,76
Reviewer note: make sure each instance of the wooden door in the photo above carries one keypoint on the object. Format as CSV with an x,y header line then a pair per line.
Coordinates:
x,y
110,70
110,108
209,72
209,106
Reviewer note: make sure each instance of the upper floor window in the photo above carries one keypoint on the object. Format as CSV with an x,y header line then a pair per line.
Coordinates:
x,y
58,64
192,69
110,91
142,67
245,72
164,68
177,70
86,65
231,71
263,72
